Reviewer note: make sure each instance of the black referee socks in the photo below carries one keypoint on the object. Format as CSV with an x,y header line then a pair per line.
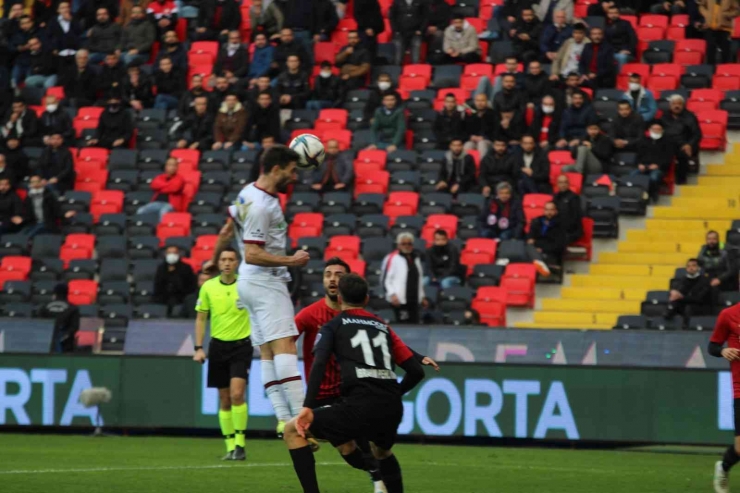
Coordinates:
x,y
730,458
305,467
391,471
356,459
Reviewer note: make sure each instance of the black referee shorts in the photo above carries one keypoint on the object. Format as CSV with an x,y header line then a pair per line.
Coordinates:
x,y
372,418
227,360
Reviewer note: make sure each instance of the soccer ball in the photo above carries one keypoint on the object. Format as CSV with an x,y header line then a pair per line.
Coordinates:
x,y
310,149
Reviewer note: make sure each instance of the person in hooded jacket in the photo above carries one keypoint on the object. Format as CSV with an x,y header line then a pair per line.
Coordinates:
x,y
503,216
457,174
55,120
641,99
326,89
56,165
449,124
655,153
115,127
263,121
480,126
229,125
443,259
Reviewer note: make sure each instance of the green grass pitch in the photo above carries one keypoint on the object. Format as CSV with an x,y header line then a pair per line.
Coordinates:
x,y
61,464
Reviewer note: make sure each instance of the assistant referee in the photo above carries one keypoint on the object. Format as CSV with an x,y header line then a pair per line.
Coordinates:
x,y
229,352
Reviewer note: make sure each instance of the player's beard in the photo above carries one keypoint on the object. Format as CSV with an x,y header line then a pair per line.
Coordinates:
x,y
333,297
283,185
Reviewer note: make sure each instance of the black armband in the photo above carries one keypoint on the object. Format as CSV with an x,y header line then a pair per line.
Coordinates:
x,y
715,349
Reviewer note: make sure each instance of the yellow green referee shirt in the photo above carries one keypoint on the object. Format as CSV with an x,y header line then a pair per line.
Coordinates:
x,y
229,322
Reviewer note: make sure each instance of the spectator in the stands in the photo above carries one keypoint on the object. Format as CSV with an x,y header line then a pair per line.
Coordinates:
x,y
480,126
408,21
460,43
326,89
170,82
104,37
545,125
511,66
110,77
599,9
449,124
18,44
187,100
196,131
443,259
627,129
354,62
546,10
232,61
526,33
11,208
263,121
533,167
593,152
715,262
509,126
554,35
682,127
168,189
496,167
267,142
536,84
569,209
547,237
564,97
14,170
369,24
164,14
457,174
138,37
567,59
20,128
335,173
574,121
66,320
114,128
389,125
693,297
509,98
189,302
383,87
137,89
266,20
65,34
293,85
719,18
438,19
641,99
668,7
261,58
221,89
174,279
55,120
655,153
229,125
403,280
216,18
88,10
621,35
502,217
288,47
597,65
56,165
42,65
42,214
79,81
173,48
510,11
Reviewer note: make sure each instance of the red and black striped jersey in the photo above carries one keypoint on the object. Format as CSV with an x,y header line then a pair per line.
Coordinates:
x,y
309,321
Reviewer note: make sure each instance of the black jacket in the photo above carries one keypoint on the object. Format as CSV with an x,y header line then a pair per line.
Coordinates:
x,y
515,131
196,128
187,101
513,8
660,152
52,213
171,287
42,63
262,122
238,63
448,126
66,323
696,291
575,120
283,51
534,29
509,100
495,169
231,15
535,87
716,263
540,165
621,35
57,122
114,126
79,85
371,17
482,124
682,129
602,149
110,79
27,132
142,92
552,240
407,19
172,83
179,56
327,90
444,261
605,64
570,214
89,8
553,129
59,165
458,171
631,129
10,205
296,86
495,210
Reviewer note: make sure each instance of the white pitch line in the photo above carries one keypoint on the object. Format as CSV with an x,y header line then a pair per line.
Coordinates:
x,y
163,468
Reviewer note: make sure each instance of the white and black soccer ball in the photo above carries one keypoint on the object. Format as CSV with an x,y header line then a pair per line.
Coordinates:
x,y
310,149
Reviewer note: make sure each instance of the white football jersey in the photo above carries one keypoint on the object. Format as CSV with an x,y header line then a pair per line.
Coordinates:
x,y
258,219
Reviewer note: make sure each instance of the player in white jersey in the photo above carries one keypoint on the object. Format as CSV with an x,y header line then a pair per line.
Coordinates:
x,y
256,218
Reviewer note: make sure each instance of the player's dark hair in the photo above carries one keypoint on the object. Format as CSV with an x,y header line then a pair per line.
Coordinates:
x,y
338,261
278,155
579,26
353,290
229,249
693,260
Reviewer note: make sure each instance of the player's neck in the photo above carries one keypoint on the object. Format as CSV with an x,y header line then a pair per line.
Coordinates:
x,y
266,183
227,278
351,307
334,305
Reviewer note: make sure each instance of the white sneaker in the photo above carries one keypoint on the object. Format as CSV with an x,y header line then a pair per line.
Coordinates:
x,y
379,487
721,479
542,268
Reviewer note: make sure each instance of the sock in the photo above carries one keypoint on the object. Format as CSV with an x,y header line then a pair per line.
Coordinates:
x,y
286,369
730,458
274,391
391,471
227,428
371,463
239,417
355,459
305,468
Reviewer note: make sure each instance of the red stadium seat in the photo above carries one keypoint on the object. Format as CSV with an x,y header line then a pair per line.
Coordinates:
x,y
187,159
707,95
86,338
93,181
324,52
689,51
82,292
305,224
491,293
657,83
583,248
371,182
726,83
203,249
534,205
560,158
94,155
343,247
106,202
478,251
401,204
338,116
675,32
14,275
653,20
501,68
89,113
210,47
204,70
667,70
174,224
477,23
576,182
632,19
478,69
434,222
519,281
16,264
632,68
198,58
77,246
421,70
491,313
461,95
714,129
376,157
357,266
408,83
680,20
57,91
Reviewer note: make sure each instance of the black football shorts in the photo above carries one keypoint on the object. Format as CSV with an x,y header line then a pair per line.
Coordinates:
x,y
227,360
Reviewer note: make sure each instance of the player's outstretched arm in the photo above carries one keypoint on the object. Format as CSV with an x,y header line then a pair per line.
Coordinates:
x,y
224,238
256,255
414,374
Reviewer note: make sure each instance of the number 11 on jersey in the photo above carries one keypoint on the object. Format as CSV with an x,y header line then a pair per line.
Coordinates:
x,y
362,340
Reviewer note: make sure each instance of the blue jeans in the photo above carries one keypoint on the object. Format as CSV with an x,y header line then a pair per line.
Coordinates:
x,y
45,81
160,208
35,229
656,180
139,58
165,102
444,283
18,75
318,105
621,59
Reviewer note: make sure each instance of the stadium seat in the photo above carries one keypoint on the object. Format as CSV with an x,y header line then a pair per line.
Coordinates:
x,y
174,224
344,247
16,264
371,182
82,292
401,204
518,282
690,51
478,251
434,222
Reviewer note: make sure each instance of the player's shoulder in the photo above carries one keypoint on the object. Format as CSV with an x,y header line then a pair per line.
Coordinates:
x,y
362,317
211,285
730,312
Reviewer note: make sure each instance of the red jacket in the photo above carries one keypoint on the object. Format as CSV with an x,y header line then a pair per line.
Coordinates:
x,y
173,187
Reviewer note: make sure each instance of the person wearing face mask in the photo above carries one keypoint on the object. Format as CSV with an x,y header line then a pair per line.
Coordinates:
x,y
457,174
480,125
261,58
104,37
388,126
692,296
174,280
377,93
449,124
326,90
593,153
502,217
137,38
403,274
546,123
42,214
114,128
526,33
536,84
496,168
230,123
717,265
533,167
568,56
554,35
232,61
641,99
56,165
460,42
163,14
137,89
168,192
627,129
42,66
171,47
55,120
654,157
335,173
354,62
216,18
443,259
